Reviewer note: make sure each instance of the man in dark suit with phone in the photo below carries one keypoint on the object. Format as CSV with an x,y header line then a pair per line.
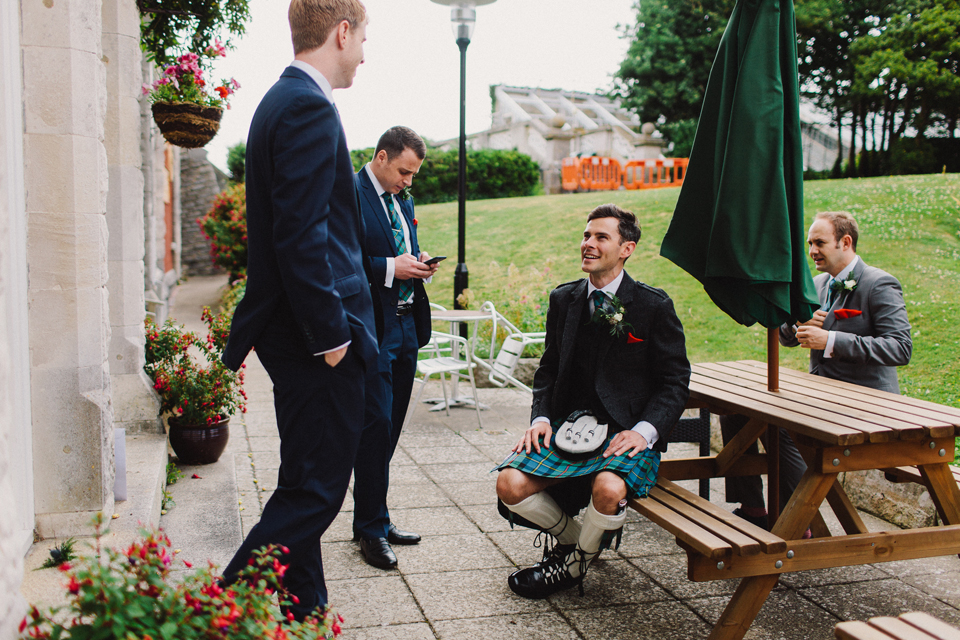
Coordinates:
x,y
614,347
307,307
399,270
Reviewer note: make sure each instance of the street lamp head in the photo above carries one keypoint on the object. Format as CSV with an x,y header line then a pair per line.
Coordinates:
x,y
463,16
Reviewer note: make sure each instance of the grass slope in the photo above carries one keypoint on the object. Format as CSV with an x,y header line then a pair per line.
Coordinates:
x,y
519,248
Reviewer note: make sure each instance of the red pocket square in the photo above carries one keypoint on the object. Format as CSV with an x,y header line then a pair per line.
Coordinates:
x,y
843,314
631,339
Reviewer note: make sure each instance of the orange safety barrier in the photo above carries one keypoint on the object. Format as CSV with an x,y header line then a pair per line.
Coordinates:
x,y
570,174
591,173
654,174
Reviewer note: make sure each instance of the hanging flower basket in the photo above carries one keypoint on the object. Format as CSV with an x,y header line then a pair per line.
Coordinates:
x,y
187,124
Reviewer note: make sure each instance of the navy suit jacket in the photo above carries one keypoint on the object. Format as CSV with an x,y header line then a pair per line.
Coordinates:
x,y
636,381
305,267
380,245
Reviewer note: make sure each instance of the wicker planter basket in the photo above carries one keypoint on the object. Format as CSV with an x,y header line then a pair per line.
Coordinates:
x,y
186,124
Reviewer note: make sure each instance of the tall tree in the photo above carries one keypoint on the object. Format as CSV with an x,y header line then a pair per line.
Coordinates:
x,y
668,63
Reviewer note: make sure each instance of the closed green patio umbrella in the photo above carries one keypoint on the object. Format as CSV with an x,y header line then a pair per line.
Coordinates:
x,y
738,225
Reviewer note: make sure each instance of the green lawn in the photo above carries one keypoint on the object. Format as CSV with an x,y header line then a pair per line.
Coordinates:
x,y
520,248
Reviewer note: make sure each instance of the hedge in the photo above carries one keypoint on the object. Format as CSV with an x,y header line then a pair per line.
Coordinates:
x,y
491,173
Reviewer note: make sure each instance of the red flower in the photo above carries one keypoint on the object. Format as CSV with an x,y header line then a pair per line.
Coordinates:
x,y
223,92
23,624
415,222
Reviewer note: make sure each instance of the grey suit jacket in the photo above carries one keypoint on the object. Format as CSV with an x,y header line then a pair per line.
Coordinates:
x,y
869,345
646,378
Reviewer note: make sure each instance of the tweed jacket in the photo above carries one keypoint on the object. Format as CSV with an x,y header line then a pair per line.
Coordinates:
x,y
646,379
872,338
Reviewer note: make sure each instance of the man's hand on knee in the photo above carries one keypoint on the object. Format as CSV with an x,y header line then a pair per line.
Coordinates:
x,y
626,441
531,437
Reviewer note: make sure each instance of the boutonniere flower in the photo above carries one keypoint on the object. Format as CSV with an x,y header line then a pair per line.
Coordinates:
x,y
611,313
844,285
405,193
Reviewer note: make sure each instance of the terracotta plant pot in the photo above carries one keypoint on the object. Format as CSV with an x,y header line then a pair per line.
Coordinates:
x,y
199,444
186,124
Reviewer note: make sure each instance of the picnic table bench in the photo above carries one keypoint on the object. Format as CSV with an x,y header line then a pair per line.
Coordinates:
x,y
838,427
908,626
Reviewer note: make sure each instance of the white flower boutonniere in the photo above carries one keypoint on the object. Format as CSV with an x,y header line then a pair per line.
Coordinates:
x,y
843,285
612,314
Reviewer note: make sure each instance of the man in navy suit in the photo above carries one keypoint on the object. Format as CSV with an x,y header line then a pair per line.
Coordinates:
x,y
307,308
398,275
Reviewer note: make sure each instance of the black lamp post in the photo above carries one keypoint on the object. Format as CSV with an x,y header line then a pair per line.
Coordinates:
x,y
463,16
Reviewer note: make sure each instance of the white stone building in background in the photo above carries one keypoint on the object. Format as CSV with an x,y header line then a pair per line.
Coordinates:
x,y
552,124
88,245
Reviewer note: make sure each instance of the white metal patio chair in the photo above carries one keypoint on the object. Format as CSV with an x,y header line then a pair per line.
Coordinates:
x,y
502,367
458,362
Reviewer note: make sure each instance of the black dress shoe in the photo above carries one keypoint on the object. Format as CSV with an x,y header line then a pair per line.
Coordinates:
x,y
556,552
377,552
542,580
396,536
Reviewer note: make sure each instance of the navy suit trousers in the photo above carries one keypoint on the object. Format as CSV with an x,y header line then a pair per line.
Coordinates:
x,y
319,417
388,395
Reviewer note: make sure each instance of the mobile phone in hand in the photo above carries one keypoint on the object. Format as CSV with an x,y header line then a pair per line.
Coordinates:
x,y
435,260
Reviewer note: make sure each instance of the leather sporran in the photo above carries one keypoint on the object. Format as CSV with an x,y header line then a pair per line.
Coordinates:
x,y
581,436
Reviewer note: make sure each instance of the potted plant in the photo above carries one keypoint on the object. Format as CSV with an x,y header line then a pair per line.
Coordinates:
x,y
186,107
135,594
199,394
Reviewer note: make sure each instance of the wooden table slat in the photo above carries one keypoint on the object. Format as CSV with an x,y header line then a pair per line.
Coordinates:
x,y
737,400
899,629
862,407
923,407
936,628
857,630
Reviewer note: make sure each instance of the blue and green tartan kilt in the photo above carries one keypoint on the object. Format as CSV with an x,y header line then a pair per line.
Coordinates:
x,y
638,472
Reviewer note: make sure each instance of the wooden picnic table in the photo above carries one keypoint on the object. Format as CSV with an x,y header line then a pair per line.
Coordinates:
x,y
838,427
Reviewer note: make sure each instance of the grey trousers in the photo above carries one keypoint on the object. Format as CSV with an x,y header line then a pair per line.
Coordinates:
x,y
748,490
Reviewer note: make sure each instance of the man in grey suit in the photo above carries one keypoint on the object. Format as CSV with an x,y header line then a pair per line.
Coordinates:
x,y
860,334
614,347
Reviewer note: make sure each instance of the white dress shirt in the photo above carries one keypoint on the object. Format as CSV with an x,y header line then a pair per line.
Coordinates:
x,y
391,262
840,277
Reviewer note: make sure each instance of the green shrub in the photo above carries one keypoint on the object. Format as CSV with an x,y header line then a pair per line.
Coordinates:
x,y
491,173
236,161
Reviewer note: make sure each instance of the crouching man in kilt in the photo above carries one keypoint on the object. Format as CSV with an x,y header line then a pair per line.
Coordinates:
x,y
614,349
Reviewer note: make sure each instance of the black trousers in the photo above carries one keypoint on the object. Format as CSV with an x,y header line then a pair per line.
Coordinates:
x,y
748,490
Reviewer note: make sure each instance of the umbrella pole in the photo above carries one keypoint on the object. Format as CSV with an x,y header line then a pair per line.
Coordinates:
x,y
773,359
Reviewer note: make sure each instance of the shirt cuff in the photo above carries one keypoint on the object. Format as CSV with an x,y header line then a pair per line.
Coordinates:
x,y
541,419
831,338
345,344
391,270
648,431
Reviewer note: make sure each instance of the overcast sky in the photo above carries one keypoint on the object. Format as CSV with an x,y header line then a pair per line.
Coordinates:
x,y
411,73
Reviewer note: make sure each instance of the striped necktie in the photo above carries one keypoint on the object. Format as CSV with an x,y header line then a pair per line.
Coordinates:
x,y
405,288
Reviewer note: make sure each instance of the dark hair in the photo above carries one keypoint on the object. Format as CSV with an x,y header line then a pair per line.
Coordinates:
x,y
312,21
628,226
395,139
843,225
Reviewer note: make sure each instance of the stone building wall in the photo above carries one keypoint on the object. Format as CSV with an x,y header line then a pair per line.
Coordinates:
x,y
16,479
200,182
66,181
